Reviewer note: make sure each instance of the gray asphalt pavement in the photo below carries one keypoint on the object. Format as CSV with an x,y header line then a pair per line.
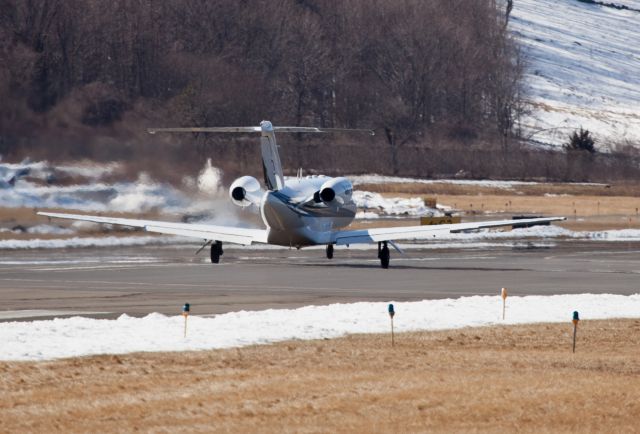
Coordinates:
x,y
140,280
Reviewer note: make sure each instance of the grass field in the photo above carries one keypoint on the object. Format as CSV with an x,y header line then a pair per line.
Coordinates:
x,y
494,379
584,213
587,207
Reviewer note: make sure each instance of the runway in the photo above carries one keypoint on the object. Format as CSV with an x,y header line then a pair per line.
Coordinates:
x,y
104,283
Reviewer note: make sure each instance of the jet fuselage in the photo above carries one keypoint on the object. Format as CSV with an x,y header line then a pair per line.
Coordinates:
x,y
295,218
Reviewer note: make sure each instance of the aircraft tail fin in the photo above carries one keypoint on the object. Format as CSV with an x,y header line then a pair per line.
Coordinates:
x,y
273,175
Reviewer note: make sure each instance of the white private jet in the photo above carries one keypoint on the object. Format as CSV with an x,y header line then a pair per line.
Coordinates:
x,y
297,212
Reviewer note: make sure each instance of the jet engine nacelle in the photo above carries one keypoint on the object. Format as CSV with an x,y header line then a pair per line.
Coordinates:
x,y
335,191
246,191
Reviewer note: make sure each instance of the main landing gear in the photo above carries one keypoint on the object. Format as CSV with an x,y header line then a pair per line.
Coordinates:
x,y
216,251
383,254
329,251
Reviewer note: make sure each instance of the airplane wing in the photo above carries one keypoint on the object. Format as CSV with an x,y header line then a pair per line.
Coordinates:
x,y
206,232
425,232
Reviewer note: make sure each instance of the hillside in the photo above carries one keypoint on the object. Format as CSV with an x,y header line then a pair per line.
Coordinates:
x,y
583,68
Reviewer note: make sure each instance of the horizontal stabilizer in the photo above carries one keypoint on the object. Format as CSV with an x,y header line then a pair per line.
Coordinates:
x,y
257,130
322,130
205,130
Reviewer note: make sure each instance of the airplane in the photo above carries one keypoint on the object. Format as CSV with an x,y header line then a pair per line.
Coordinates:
x,y
296,211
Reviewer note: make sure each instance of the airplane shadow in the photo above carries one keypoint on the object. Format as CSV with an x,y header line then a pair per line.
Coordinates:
x,y
362,266
410,267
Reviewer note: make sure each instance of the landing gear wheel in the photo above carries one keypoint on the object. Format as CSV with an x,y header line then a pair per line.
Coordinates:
x,y
216,252
384,255
329,251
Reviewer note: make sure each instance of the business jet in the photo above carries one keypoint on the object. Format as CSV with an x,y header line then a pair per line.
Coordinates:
x,y
296,211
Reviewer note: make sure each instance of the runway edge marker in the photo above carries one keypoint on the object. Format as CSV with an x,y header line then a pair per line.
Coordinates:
x,y
576,319
185,313
392,312
504,301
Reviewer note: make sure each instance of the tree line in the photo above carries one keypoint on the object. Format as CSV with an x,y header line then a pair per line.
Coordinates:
x,y
84,78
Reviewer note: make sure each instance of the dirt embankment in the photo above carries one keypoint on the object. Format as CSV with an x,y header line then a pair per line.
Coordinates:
x,y
498,379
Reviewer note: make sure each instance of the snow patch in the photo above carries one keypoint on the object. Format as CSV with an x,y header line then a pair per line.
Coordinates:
x,y
49,230
382,179
89,169
583,62
78,336
392,206
140,196
145,195
367,215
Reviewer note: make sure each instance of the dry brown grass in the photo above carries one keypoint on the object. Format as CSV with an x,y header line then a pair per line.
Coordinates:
x,y
568,206
498,379
23,216
588,207
583,212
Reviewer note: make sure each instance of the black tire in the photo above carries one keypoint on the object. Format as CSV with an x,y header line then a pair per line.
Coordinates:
x,y
385,256
216,252
329,251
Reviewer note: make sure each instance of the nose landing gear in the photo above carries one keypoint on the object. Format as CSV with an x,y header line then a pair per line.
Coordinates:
x,y
383,254
216,252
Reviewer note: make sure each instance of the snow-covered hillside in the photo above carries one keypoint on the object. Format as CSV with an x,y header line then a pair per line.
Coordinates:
x,y
583,68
